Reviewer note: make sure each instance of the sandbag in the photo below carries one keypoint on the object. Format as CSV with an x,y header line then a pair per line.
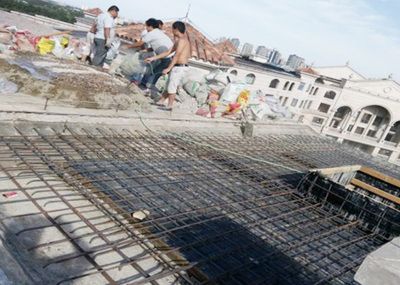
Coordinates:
x,y
161,83
191,87
113,52
232,92
5,37
132,64
202,94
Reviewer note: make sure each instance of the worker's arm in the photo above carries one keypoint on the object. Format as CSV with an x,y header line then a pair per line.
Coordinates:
x,y
161,55
107,33
137,44
93,29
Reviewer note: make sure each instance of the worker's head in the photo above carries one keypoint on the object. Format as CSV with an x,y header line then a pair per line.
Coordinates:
x,y
151,24
113,10
160,24
178,28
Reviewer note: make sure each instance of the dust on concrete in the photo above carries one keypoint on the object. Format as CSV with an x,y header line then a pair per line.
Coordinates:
x,y
70,82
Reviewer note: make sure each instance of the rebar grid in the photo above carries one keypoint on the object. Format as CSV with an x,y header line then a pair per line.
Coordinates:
x,y
214,217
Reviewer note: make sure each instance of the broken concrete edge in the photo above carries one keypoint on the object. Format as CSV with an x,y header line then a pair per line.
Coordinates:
x,y
382,266
156,123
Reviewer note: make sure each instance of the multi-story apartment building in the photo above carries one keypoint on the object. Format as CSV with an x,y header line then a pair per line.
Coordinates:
x,y
338,102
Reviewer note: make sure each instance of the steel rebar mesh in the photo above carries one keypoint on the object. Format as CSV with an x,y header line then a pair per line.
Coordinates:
x,y
215,216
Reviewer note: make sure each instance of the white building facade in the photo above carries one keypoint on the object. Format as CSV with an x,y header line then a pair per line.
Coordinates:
x,y
337,102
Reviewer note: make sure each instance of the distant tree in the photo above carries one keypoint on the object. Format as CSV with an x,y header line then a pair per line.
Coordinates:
x,y
45,8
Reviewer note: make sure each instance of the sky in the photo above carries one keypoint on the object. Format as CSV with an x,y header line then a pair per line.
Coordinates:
x,y
365,33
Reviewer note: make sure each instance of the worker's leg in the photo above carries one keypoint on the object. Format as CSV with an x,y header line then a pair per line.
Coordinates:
x,y
100,52
163,98
171,100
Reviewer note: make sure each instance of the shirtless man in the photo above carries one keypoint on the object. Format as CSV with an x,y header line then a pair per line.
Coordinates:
x,y
178,66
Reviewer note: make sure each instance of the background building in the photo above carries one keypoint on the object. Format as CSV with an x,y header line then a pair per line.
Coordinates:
x,y
235,42
337,101
262,51
274,57
295,61
247,49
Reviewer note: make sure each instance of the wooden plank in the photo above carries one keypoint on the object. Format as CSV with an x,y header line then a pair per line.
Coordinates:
x,y
380,176
334,170
376,191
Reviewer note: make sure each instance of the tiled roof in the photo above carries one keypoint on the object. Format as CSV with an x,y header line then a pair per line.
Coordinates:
x,y
201,47
93,11
309,70
227,46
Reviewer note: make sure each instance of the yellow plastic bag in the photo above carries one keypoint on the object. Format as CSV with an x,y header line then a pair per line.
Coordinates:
x,y
243,98
45,46
64,42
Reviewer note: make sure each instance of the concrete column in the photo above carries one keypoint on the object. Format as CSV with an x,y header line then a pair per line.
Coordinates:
x,y
375,151
328,120
348,121
385,133
395,155
358,120
344,121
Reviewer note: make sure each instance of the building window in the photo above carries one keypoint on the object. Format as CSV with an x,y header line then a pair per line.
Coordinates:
x,y
250,78
294,102
308,88
366,118
318,121
390,137
274,84
378,121
316,91
285,87
280,98
324,108
371,133
350,128
301,104
359,130
285,101
234,72
291,86
309,104
330,95
312,90
301,86
385,152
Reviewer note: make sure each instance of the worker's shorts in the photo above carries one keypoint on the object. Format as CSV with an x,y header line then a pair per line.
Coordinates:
x,y
175,78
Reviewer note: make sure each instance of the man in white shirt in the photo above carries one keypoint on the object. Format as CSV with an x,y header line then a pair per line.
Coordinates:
x,y
156,40
104,35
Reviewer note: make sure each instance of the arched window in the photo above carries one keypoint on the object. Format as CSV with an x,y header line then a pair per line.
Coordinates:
x,y
316,91
234,72
312,90
285,87
291,86
250,78
274,83
330,95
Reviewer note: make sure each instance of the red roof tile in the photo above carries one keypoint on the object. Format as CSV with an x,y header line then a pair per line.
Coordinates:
x,y
227,46
309,70
201,47
93,11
